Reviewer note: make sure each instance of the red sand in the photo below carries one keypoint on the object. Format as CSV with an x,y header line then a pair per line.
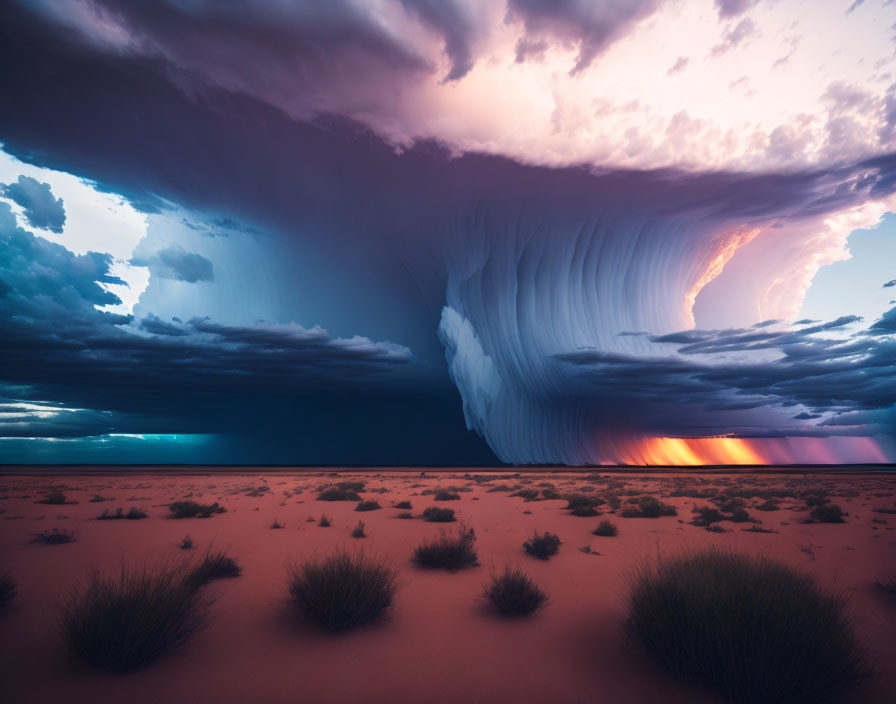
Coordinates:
x,y
441,643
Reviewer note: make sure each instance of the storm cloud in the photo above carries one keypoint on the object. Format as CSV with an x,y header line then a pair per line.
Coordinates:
x,y
41,208
495,289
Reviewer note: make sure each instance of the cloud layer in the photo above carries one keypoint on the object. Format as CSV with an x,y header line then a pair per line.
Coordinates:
x,y
509,192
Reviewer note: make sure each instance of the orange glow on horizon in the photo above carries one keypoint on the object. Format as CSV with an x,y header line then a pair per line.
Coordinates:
x,y
697,451
727,450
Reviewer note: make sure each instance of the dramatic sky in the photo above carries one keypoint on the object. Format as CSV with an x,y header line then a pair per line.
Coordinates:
x,y
448,231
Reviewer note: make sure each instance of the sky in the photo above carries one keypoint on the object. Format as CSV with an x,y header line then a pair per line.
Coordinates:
x,y
448,232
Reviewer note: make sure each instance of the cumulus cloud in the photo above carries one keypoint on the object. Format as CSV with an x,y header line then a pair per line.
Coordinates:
x,y
404,66
41,208
173,262
591,27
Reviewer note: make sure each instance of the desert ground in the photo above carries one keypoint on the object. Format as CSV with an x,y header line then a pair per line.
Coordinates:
x,y
441,642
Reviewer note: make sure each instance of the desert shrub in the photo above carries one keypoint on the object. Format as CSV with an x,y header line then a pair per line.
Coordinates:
x,y
739,515
368,506
649,507
542,545
513,593
99,499
434,514
584,511
324,522
406,505
827,513
768,505
527,494
550,494
727,504
749,626
186,543
276,525
356,486
124,622
8,591
695,493
213,565
358,531
342,590
613,501
406,514
500,487
443,495
606,528
574,501
133,514
815,499
54,537
886,509
707,515
54,498
191,509
334,493
450,551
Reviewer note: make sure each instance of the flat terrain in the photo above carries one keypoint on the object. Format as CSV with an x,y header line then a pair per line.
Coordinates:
x,y
441,643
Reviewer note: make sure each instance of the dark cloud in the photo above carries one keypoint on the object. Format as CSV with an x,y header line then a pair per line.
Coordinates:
x,y
41,208
408,227
590,26
733,8
838,377
886,325
199,376
890,283
173,262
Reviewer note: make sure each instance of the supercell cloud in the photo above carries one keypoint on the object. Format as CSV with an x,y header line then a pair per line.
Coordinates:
x,y
576,229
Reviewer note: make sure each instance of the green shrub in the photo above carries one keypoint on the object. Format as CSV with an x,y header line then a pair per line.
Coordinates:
x,y
133,514
433,514
542,545
124,622
606,528
827,513
450,551
368,506
335,493
54,537
212,566
750,627
343,590
513,593
649,507
54,498
191,509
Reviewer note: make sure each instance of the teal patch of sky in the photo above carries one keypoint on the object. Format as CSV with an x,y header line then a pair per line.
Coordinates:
x,y
855,286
